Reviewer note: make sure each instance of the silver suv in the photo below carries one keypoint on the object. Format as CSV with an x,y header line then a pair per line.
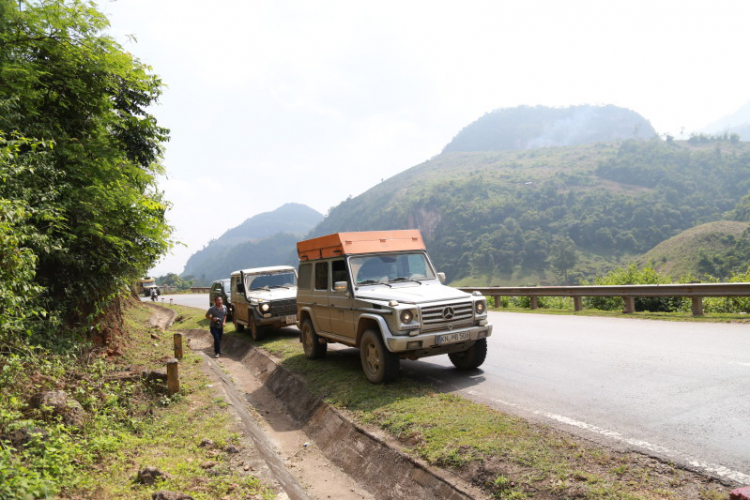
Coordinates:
x,y
264,297
379,292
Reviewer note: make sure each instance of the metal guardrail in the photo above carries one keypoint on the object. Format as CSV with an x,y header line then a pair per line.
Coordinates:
x,y
200,289
696,291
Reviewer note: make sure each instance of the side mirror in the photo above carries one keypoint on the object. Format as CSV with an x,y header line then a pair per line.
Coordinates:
x,y
340,286
240,287
441,277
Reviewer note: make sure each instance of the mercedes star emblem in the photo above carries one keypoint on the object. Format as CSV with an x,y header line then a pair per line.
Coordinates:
x,y
448,313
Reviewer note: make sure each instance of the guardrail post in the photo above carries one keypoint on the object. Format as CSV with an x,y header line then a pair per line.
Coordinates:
x,y
497,299
578,303
629,305
534,302
697,306
178,345
173,376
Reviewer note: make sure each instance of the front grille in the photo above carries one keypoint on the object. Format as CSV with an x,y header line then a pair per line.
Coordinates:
x,y
456,314
284,307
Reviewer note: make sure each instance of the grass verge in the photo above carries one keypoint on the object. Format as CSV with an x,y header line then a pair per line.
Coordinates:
x,y
125,425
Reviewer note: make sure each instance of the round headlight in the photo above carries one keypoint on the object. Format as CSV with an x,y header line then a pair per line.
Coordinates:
x,y
480,307
407,316
265,308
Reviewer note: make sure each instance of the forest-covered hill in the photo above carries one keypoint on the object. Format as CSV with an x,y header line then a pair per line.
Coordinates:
x,y
262,240
531,216
715,248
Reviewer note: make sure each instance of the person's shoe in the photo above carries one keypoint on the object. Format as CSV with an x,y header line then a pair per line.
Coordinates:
x,y
217,355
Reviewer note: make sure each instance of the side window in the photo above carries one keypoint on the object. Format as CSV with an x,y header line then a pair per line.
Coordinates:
x,y
338,271
305,276
321,276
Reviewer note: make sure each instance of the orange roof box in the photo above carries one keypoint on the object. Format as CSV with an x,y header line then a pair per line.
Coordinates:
x,y
338,244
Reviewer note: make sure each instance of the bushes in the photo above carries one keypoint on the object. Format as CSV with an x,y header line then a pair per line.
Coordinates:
x,y
633,276
80,212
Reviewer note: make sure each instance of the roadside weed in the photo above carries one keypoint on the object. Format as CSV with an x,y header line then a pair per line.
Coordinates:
x,y
128,424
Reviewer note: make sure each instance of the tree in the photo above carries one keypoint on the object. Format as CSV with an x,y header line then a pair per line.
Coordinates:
x,y
175,281
94,217
563,256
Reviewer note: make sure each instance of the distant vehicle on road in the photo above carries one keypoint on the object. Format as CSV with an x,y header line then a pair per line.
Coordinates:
x,y
220,288
146,284
264,297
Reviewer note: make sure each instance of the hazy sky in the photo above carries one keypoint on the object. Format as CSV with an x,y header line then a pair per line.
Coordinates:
x,y
307,101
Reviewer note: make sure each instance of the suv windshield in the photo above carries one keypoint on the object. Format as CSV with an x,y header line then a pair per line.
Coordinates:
x,y
276,280
390,268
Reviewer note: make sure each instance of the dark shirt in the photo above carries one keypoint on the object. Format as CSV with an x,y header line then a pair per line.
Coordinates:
x,y
217,314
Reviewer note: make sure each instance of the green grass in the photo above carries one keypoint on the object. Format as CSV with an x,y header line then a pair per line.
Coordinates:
x,y
130,424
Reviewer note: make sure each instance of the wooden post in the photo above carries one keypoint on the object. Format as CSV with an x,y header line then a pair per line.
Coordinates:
x,y
534,302
496,299
578,303
173,376
629,305
178,345
697,306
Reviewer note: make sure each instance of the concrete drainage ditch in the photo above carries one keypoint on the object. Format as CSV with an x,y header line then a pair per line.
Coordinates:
x,y
370,460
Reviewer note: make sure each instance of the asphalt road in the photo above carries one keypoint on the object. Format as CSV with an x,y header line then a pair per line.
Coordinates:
x,y
198,300
680,391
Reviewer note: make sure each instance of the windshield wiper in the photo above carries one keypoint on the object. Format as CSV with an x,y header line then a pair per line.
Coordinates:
x,y
373,282
279,286
401,278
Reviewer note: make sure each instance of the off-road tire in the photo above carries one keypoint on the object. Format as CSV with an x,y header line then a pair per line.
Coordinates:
x,y
379,364
239,327
256,332
471,358
311,344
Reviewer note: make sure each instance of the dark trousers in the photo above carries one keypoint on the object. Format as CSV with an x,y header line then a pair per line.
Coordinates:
x,y
216,333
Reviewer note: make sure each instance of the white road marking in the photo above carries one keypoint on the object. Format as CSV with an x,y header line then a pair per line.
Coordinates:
x,y
715,469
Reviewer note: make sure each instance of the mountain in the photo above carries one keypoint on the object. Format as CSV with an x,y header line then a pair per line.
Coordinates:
x,y
706,248
498,217
736,123
291,218
527,127
262,240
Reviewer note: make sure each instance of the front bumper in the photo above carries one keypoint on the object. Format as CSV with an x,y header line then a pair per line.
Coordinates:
x,y
428,343
270,319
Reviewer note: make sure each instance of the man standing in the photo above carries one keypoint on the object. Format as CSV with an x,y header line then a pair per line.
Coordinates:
x,y
217,315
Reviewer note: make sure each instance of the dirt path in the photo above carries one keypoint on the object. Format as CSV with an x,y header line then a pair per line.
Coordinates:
x,y
294,451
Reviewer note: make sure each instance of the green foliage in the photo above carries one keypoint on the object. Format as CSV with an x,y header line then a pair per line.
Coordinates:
x,y
730,304
712,250
78,155
631,275
175,281
127,422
